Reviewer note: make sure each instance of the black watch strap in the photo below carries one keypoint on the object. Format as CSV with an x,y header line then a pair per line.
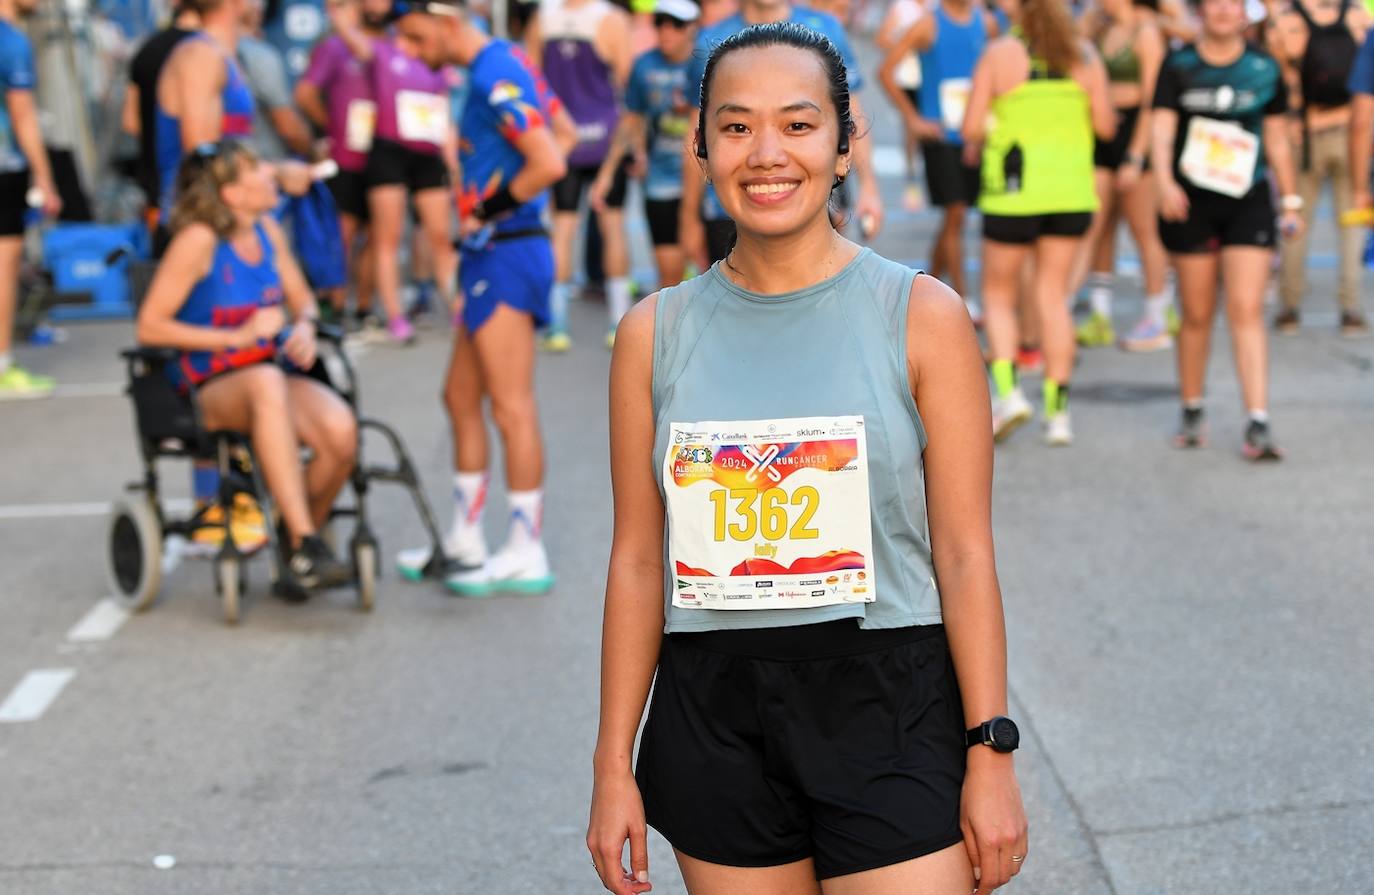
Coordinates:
x,y
999,734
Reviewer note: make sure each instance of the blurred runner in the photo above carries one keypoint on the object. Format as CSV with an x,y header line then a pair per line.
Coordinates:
x,y
1316,43
657,119
278,129
949,41
1219,127
1132,47
411,155
1038,98
335,93
1362,129
140,100
26,183
509,157
898,20
584,49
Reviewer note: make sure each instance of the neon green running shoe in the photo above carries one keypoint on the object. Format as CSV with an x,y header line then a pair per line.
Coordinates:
x,y
18,384
1096,332
556,342
1172,322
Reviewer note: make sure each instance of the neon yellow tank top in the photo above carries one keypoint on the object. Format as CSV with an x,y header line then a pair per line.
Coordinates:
x,y
1038,155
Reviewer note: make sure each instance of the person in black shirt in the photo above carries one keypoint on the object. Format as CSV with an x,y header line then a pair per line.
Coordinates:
x,y
1218,127
140,97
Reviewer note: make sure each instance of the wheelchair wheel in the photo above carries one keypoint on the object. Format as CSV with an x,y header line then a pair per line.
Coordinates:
x,y
134,555
229,581
365,570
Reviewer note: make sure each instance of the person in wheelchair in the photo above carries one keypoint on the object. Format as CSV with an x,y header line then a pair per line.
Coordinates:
x,y
221,296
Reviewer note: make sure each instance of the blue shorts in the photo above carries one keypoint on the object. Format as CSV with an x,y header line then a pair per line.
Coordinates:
x,y
516,272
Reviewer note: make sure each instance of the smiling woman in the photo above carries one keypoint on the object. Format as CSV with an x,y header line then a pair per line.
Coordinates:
x,y
804,428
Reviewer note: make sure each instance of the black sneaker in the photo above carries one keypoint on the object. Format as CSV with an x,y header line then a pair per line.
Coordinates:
x,y
1259,443
1353,324
1192,430
1287,322
314,566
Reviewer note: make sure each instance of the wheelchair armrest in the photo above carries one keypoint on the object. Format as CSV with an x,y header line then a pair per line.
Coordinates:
x,y
329,332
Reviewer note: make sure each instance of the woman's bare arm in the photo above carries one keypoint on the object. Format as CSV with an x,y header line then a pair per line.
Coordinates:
x,y
186,262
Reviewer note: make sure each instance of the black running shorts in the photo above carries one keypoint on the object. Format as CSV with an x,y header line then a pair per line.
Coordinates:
x,y
1026,229
1111,154
662,215
567,193
14,188
1216,221
948,180
824,741
350,193
391,164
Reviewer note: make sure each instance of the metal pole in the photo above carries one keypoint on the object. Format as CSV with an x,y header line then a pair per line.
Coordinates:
x,y
500,16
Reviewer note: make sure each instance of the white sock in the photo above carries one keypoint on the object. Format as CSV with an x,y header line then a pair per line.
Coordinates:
x,y
469,499
1259,416
1100,293
526,517
6,361
617,298
1157,307
559,298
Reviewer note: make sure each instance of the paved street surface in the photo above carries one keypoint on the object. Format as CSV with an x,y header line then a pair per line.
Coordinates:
x,y
1192,651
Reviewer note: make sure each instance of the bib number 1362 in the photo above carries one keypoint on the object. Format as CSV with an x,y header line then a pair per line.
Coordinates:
x,y
765,514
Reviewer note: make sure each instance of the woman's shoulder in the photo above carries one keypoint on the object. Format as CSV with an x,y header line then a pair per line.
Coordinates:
x,y
193,240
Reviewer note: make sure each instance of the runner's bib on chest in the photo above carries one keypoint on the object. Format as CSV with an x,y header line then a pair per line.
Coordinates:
x,y
954,101
769,514
1220,156
361,122
421,117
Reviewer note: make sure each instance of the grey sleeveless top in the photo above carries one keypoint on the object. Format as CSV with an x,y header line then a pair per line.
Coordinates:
x,y
836,348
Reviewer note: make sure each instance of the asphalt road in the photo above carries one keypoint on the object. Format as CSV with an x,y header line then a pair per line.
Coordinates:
x,y
1192,651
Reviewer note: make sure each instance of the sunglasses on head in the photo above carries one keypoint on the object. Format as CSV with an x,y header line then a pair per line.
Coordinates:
x,y
662,18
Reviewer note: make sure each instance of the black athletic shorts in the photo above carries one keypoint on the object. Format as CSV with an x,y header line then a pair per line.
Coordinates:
x,y
14,188
1026,229
663,220
824,741
1112,154
567,193
389,164
350,193
720,238
948,180
1216,221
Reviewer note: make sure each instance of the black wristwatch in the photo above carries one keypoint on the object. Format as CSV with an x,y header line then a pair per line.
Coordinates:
x,y
999,734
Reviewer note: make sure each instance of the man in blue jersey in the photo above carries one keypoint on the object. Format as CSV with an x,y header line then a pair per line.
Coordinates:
x,y
509,157
25,176
705,231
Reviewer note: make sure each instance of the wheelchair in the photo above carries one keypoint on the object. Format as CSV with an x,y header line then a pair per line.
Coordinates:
x,y
169,427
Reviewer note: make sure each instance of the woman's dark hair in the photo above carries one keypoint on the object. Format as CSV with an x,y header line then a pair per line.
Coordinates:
x,y
783,34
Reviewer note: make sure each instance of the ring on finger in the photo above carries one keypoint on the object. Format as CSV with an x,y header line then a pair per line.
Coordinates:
x,y
1018,858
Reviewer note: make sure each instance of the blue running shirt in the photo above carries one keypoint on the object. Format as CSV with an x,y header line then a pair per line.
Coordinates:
x,y
16,73
507,97
658,91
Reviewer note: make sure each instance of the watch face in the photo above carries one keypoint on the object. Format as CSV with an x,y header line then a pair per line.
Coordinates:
x,y
1005,736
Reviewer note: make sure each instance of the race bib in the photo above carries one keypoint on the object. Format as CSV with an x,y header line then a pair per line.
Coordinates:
x,y
954,101
1220,156
769,514
422,117
359,125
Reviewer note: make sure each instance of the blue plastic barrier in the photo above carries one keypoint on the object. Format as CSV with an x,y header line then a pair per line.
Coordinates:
x,y
77,256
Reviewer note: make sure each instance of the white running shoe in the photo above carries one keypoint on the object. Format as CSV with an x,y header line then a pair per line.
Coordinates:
x,y
1009,414
1059,430
464,545
521,570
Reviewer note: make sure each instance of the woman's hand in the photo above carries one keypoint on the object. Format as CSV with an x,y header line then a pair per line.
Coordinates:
x,y
262,326
617,816
1291,224
992,818
300,347
1128,175
923,128
1173,201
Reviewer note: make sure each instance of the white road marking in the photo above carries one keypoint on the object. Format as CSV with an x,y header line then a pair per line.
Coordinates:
x,y
104,619
65,510
89,390
34,694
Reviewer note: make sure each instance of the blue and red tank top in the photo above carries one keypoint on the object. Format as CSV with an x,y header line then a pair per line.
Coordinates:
x,y
237,101
225,299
